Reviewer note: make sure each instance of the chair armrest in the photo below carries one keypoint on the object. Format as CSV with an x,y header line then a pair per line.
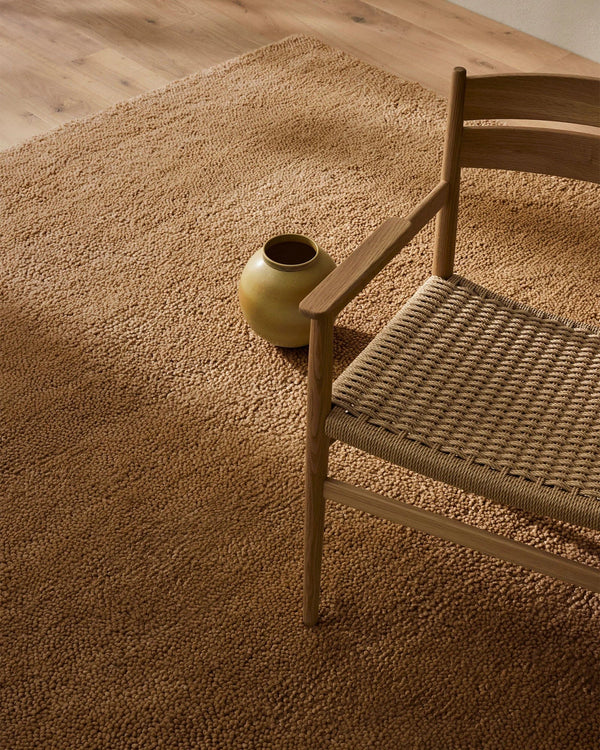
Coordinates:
x,y
352,276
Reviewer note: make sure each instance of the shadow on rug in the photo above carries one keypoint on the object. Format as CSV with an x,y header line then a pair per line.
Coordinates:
x,y
152,447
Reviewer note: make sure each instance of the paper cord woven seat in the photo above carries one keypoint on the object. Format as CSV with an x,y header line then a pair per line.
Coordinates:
x,y
484,393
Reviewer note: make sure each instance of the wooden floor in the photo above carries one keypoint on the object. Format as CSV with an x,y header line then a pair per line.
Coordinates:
x,y
61,59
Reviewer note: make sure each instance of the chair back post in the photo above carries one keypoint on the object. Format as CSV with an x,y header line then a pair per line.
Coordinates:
x,y
443,261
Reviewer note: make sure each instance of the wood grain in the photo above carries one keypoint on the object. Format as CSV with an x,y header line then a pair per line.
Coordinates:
x,y
558,152
320,365
533,97
61,60
484,38
445,229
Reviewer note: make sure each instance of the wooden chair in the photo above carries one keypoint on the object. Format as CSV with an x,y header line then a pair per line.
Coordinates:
x,y
516,413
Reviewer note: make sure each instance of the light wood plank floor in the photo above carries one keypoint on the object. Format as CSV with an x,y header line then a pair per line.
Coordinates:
x,y
61,59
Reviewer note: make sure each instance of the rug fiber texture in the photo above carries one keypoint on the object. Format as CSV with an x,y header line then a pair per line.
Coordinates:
x,y
151,446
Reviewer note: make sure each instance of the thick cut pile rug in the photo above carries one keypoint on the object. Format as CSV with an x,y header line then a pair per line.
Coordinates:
x,y
152,445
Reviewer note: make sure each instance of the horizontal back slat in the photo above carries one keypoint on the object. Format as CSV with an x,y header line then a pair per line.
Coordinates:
x,y
558,152
559,98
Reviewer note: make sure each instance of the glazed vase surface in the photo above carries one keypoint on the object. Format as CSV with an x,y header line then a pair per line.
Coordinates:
x,y
274,282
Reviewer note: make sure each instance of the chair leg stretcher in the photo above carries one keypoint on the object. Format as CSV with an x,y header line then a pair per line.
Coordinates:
x,y
461,533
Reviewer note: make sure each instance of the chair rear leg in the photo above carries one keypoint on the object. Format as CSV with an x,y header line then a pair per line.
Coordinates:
x,y
317,453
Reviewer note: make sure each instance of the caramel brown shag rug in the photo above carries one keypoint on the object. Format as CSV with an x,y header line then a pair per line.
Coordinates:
x,y
152,445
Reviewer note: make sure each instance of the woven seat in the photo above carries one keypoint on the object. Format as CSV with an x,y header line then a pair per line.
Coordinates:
x,y
483,393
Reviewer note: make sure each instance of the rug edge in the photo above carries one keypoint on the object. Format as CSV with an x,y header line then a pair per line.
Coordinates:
x,y
221,67
292,40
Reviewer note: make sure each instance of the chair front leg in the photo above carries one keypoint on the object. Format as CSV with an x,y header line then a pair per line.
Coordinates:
x,y
320,363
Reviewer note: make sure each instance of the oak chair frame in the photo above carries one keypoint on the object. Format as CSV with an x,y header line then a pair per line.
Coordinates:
x,y
533,149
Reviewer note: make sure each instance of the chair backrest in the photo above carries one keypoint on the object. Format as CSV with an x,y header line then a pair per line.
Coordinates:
x,y
556,151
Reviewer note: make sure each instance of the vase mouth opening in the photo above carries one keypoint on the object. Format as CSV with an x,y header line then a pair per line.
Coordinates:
x,y
290,252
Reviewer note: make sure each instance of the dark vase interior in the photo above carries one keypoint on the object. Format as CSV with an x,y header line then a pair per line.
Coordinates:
x,y
290,252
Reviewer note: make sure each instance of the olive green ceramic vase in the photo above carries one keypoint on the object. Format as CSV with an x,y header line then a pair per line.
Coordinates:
x,y
274,282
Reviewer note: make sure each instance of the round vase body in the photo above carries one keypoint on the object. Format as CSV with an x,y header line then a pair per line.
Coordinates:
x,y
274,282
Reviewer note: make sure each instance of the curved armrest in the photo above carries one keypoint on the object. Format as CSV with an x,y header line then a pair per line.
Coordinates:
x,y
352,276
